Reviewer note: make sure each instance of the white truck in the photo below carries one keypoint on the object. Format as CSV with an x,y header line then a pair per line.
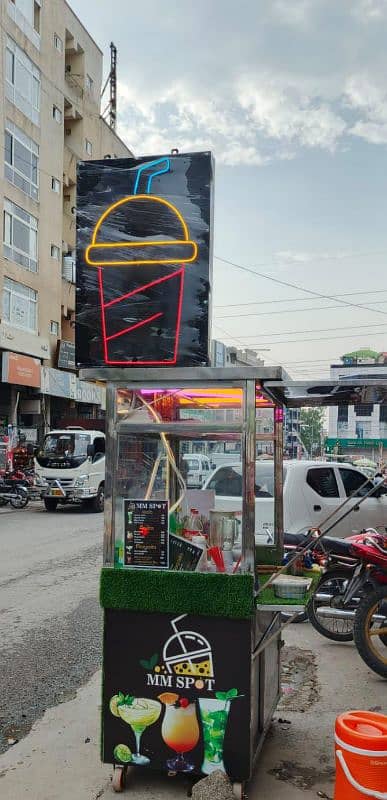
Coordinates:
x,y
312,491
70,468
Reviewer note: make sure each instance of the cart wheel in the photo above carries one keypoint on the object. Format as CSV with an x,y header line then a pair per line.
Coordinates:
x,y
238,792
119,779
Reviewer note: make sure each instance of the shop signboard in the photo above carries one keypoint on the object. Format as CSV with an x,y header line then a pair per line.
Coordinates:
x,y
89,393
66,355
331,444
21,370
178,697
58,383
144,261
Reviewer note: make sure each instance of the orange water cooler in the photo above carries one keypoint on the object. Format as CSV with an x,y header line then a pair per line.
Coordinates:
x,y
361,756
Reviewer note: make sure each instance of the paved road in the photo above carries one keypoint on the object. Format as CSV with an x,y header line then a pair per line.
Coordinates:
x,y
50,621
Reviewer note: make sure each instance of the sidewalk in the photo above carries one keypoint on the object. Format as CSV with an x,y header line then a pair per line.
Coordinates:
x,y
59,759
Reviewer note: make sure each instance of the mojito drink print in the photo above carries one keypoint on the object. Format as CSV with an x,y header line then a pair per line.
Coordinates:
x,y
140,246
139,713
214,716
180,730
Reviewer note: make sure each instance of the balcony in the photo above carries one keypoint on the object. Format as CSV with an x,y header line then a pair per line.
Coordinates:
x,y
69,167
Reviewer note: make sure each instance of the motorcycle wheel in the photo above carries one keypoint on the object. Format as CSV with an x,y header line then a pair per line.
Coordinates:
x,y
20,501
371,635
3,501
338,630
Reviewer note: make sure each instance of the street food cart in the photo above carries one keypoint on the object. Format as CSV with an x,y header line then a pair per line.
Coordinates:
x,y
190,664
188,683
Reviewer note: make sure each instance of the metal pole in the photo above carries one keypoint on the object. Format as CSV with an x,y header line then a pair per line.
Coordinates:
x,y
248,478
110,476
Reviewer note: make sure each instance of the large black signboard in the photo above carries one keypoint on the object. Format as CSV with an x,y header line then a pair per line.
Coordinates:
x,y
66,355
176,693
146,533
144,257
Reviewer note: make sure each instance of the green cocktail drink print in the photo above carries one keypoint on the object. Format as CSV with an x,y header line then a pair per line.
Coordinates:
x,y
214,716
139,713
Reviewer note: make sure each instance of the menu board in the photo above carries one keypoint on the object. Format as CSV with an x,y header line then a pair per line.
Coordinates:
x,y
183,555
146,534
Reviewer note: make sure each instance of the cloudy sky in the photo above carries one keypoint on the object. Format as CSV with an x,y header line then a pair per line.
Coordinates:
x,y
291,96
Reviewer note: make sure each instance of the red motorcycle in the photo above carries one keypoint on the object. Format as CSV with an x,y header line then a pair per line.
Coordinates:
x,y
331,609
370,625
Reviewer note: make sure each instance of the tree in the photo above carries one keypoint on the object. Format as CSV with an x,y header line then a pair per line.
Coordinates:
x,y
312,421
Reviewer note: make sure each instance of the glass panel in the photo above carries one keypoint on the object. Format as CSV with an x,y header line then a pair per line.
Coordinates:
x,y
352,480
7,228
8,147
10,66
205,405
22,158
21,236
6,304
323,481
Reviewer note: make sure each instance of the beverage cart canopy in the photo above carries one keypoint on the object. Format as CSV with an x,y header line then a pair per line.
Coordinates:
x,y
346,391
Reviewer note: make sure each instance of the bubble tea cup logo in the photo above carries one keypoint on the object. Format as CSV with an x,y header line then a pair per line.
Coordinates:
x,y
187,661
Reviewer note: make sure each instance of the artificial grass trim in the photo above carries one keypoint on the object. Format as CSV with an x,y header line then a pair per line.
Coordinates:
x,y
212,595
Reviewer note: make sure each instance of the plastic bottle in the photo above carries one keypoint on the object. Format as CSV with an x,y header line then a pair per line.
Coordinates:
x,y
118,553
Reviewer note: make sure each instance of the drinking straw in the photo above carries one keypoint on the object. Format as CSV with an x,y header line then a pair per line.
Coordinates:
x,y
217,556
237,565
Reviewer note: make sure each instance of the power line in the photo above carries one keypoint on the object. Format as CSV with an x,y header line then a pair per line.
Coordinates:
x,y
296,286
297,299
314,330
319,339
293,311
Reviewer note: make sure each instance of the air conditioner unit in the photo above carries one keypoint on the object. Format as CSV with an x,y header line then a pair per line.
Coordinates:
x,y
68,269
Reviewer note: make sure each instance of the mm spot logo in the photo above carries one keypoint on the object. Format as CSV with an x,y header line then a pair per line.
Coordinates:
x,y
186,661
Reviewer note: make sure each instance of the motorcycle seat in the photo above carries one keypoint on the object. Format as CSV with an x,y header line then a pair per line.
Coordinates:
x,y
296,539
338,547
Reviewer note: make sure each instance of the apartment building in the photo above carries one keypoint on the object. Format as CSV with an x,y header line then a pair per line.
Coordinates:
x,y
50,79
359,430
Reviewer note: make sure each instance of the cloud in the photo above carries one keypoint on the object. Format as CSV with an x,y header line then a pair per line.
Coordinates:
x,y
253,122
369,100
267,82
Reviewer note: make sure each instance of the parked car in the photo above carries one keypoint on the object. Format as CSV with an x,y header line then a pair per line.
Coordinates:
x,y
198,469
312,491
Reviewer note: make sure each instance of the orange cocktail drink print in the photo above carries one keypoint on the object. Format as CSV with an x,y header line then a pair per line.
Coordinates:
x,y
180,730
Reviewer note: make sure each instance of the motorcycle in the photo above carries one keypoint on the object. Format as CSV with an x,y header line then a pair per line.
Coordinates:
x,y
333,607
370,624
13,491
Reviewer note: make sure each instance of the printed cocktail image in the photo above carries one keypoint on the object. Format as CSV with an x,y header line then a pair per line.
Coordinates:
x,y
139,713
214,717
180,730
140,246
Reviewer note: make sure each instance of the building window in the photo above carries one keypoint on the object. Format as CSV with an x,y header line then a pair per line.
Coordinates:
x,y
22,81
342,414
37,16
20,236
19,305
57,114
55,252
88,147
21,160
58,44
383,412
55,185
89,84
54,328
364,409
